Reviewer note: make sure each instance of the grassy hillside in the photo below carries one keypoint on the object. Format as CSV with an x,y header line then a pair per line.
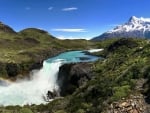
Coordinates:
x,y
125,63
115,77
26,44
20,52
18,47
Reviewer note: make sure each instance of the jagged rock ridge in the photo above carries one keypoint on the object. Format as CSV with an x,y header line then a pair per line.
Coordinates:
x,y
134,28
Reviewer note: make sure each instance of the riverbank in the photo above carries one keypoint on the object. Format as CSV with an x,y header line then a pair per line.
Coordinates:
x,y
25,50
49,81
88,87
113,80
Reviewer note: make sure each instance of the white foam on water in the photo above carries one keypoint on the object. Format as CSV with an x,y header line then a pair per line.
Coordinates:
x,y
95,50
31,91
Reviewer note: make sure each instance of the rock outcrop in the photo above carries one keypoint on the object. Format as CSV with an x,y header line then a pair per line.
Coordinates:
x,y
134,104
72,76
13,70
129,43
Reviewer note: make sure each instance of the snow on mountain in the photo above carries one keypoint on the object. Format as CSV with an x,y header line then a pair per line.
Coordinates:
x,y
135,27
134,23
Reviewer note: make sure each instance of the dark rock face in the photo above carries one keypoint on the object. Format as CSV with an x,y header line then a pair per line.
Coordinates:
x,y
36,65
72,76
52,94
12,69
129,43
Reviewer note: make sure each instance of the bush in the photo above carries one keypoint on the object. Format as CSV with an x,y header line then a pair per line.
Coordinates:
x,y
120,92
80,111
60,111
25,110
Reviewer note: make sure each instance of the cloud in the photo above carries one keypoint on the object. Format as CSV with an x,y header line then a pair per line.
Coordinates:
x,y
70,9
27,8
50,8
70,30
71,37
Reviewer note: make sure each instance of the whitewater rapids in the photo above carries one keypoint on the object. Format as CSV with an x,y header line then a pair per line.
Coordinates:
x,y
31,91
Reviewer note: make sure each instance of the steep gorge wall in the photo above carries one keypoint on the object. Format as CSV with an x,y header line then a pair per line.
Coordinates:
x,y
72,76
13,70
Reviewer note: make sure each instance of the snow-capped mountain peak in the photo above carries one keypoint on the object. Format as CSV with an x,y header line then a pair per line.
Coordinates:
x,y
135,20
134,24
134,27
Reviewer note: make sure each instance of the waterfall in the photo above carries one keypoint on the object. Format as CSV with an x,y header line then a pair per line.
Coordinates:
x,y
31,91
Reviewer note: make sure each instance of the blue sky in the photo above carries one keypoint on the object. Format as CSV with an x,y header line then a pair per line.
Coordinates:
x,y
71,18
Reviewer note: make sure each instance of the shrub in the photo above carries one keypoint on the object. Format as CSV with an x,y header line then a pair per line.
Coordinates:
x,y
120,92
25,110
80,111
60,111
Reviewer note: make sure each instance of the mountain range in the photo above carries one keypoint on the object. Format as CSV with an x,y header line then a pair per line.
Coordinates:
x,y
134,28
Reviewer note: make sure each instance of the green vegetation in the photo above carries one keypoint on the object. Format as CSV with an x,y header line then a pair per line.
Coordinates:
x,y
23,49
29,44
114,77
127,60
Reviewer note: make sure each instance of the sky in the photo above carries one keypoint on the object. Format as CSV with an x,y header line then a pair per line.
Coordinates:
x,y
71,18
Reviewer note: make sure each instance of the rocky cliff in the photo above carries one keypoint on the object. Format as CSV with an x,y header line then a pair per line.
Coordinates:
x,y
72,76
120,83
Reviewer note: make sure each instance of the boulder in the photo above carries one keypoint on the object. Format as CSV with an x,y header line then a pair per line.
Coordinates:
x,y
12,69
72,76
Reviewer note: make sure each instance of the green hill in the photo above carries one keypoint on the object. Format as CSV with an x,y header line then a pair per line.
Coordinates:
x,y
6,29
31,46
116,77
